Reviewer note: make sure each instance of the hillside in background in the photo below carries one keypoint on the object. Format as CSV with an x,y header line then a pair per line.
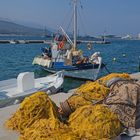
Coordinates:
x,y
7,27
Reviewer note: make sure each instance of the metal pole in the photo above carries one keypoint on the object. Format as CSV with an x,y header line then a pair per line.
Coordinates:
x,y
139,64
75,23
69,40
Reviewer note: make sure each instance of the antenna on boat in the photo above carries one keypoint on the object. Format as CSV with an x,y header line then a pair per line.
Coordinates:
x,y
139,64
75,23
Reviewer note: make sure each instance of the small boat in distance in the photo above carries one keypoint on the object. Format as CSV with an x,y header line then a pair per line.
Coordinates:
x,y
22,42
63,54
13,42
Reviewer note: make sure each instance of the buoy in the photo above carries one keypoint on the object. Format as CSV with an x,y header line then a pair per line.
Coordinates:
x,y
124,55
114,59
16,101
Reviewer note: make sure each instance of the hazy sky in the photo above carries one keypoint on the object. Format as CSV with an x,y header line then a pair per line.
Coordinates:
x,y
113,16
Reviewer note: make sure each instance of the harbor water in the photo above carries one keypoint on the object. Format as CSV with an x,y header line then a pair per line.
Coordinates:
x,y
119,56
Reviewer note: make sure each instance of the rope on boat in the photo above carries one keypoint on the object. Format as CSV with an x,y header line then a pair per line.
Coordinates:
x,y
106,68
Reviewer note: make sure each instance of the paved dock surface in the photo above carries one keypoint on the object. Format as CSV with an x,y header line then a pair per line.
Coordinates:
x,y
5,113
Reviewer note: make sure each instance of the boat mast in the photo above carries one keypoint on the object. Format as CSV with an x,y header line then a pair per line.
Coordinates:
x,y
75,23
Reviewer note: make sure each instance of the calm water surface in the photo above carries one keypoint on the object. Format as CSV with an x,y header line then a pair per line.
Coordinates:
x,y
16,58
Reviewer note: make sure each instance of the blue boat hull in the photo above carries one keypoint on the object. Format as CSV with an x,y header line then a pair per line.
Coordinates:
x,y
84,66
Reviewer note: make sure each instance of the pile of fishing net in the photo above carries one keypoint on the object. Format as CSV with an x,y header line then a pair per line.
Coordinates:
x,y
77,101
33,108
97,90
48,129
93,91
87,122
95,122
104,79
38,117
72,103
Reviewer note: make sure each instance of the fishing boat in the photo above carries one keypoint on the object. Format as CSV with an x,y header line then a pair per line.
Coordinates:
x,y
63,54
13,42
25,85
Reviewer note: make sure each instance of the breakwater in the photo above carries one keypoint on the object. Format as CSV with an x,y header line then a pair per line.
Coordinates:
x,y
46,41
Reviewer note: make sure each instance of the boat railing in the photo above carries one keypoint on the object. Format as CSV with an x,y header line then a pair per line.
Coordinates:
x,y
59,57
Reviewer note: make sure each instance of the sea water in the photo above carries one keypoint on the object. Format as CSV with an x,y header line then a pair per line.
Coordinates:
x,y
17,58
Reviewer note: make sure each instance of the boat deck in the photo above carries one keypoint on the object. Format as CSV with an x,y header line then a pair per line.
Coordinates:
x,y
8,88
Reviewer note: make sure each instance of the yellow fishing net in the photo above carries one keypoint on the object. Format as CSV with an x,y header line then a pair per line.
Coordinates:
x,y
33,108
97,90
38,118
76,101
93,91
104,79
48,129
95,122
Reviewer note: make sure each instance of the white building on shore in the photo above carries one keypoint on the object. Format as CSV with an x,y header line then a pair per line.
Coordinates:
x,y
139,36
127,37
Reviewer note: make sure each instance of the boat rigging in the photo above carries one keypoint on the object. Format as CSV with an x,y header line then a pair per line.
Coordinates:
x,y
63,53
